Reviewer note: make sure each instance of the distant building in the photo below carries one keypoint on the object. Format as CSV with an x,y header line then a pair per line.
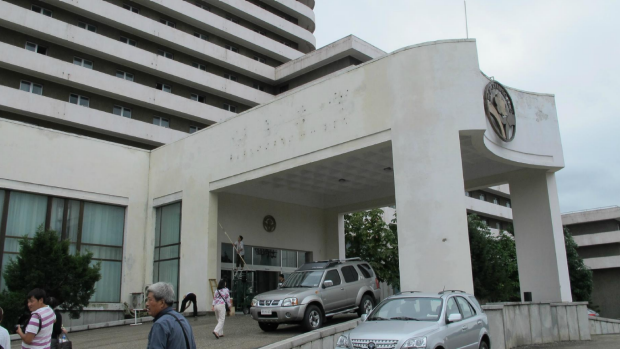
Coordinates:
x,y
597,232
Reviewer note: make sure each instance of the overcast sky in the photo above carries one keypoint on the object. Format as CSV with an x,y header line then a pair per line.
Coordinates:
x,y
567,48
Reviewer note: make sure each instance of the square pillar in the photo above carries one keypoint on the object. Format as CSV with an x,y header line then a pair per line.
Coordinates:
x,y
539,236
334,235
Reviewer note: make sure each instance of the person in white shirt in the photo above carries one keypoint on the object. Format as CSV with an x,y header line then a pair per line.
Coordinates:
x,y
239,248
5,338
38,332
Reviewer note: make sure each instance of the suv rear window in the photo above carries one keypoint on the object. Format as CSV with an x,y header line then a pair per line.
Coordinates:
x,y
366,270
350,274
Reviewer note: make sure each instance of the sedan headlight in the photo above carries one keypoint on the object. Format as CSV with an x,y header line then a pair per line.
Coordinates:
x,y
254,302
416,342
289,302
343,341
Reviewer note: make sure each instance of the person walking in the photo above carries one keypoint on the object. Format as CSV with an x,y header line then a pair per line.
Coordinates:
x,y
57,328
5,338
239,248
170,329
221,298
38,332
189,298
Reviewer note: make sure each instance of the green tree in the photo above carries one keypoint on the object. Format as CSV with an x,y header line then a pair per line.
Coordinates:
x,y
369,237
45,262
494,263
580,275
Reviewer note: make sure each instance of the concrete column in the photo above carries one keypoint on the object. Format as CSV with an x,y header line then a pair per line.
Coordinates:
x,y
334,235
541,253
433,242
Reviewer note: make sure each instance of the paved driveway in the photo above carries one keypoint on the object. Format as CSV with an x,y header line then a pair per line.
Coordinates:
x,y
607,341
240,332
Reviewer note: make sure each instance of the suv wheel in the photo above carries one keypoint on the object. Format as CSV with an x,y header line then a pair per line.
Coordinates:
x,y
267,327
366,305
313,319
484,345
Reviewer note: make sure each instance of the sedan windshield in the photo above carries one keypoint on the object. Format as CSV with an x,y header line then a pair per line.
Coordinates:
x,y
303,279
408,309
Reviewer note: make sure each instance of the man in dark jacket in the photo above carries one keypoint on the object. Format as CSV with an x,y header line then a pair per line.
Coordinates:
x,y
170,329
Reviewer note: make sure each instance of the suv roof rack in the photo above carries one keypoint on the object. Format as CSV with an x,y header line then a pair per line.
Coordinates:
x,y
451,291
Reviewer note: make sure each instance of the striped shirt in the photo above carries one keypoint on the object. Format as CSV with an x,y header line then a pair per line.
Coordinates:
x,y
42,339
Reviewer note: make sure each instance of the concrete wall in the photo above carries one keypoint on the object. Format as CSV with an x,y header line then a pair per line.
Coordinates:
x,y
325,338
599,325
518,324
594,227
605,292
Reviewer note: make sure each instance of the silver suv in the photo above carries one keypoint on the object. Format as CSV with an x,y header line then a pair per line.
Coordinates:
x,y
448,319
318,291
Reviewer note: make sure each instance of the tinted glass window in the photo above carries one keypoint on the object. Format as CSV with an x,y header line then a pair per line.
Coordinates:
x,y
333,276
349,273
465,308
365,269
452,308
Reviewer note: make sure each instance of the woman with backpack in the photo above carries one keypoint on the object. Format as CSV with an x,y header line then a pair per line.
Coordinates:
x,y
221,306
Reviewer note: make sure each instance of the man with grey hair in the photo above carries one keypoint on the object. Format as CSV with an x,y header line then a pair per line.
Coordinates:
x,y
170,329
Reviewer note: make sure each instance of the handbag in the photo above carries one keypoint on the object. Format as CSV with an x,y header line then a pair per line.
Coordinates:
x,y
225,302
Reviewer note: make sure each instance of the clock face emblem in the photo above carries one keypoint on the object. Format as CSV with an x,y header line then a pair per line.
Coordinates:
x,y
269,224
500,111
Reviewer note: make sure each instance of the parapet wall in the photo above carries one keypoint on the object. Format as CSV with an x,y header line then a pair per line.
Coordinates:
x,y
600,325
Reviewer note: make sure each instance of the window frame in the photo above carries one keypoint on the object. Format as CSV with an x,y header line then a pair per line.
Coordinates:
x,y
197,98
86,26
228,107
124,77
79,99
163,86
230,77
128,41
123,109
258,86
131,8
196,129
199,66
202,36
168,23
165,54
41,10
36,48
260,59
232,19
83,61
31,88
231,48
161,118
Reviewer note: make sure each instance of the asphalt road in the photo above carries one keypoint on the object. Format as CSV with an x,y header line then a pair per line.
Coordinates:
x,y
240,331
607,341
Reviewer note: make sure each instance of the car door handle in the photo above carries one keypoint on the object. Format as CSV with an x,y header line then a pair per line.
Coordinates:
x,y
464,328
342,289
479,322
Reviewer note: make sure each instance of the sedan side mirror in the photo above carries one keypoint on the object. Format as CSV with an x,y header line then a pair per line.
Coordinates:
x,y
364,317
328,283
454,318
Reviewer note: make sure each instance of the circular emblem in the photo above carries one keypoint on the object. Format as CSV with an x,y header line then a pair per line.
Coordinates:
x,y
269,223
372,345
500,111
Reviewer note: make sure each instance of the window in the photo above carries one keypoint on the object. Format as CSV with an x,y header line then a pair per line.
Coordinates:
x,y
258,87
467,193
451,307
230,77
495,201
122,111
483,197
260,31
508,204
31,87
87,226
79,100
333,276
128,41
168,23
41,10
131,8
289,259
262,60
159,121
30,46
283,88
232,48
466,308
484,221
202,6
265,256
350,274
197,98
199,66
167,244
202,36
193,129
366,270
83,62
232,19
229,107
285,43
498,225
124,75
87,26
165,54
163,87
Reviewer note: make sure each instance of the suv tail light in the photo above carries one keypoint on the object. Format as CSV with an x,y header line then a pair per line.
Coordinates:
x,y
377,283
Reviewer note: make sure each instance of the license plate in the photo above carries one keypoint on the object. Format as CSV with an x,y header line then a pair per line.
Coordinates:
x,y
265,312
